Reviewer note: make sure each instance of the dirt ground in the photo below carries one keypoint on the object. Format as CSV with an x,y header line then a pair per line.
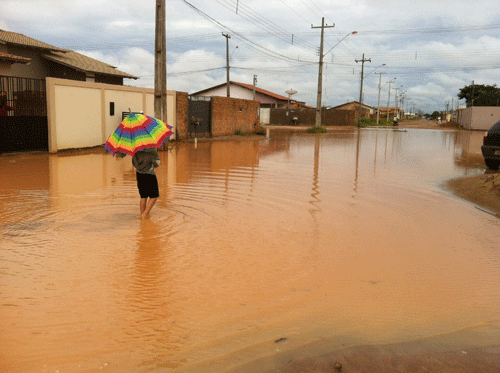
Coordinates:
x,y
465,351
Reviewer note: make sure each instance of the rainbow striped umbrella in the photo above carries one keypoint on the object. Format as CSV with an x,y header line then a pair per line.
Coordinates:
x,y
138,132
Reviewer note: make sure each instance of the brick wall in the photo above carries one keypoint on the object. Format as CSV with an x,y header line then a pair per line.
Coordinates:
x,y
231,114
228,116
182,115
307,117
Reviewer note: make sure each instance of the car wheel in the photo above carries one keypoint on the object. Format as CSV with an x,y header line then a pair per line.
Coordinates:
x,y
492,164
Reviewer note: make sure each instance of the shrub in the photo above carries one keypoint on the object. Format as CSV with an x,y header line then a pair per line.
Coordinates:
x,y
315,129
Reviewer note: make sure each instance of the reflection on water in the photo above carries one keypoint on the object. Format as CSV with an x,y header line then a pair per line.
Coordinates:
x,y
297,236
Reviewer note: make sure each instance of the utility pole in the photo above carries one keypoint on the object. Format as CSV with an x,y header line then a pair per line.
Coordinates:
x,y
472,100
254,83
227,36
402,101
160,101
320,74
379,88
396,111
361,89
389,99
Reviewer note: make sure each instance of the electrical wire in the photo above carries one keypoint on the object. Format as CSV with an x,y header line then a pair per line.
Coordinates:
x,y
252,44
300,15
264,23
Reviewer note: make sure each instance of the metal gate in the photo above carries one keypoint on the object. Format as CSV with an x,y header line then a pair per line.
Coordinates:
x,y
199,115
23,115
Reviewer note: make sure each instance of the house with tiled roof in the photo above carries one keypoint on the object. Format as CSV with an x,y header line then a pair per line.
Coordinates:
x,y
267,99
25,57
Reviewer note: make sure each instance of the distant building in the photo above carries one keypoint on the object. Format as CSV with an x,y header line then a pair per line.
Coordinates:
x,y
267,99
366,110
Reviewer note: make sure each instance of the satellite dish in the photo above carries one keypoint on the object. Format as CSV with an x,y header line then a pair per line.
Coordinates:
x,y
291,92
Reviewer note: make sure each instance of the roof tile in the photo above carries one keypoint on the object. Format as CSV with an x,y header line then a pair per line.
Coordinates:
x,y
66,57
20,39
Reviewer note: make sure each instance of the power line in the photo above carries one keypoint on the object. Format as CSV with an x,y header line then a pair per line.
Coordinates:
x,y
264,23
242,38
308,7
436,30
300,15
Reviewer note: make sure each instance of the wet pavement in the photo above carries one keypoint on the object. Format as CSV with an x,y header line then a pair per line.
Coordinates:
x,y
254,248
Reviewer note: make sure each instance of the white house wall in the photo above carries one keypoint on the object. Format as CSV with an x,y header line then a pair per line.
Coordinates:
x,y
484,117
77,117
79,112
478,117
122,100
237,91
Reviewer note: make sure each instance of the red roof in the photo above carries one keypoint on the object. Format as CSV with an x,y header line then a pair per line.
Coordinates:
x,y
248,86
263,91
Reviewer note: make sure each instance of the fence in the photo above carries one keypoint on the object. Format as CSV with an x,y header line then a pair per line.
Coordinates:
x,y
22,97
307,117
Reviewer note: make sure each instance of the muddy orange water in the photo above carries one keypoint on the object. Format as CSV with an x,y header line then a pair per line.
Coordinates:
x,y
296,238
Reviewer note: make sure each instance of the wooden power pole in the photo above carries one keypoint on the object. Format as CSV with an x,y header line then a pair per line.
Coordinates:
x,y
320,74
227,36
160,102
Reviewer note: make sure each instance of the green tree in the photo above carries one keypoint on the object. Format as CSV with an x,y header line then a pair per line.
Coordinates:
x,y
480,95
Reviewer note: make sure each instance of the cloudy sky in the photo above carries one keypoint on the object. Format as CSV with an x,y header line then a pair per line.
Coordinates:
x,y
432,48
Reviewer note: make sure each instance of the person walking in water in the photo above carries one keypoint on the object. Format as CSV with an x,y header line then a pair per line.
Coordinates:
x,y
145,163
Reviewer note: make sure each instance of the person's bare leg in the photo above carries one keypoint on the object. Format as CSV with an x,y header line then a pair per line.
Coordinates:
x,y
143,205
149,206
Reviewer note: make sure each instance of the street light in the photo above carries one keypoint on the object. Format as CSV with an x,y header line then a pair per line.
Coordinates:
x,y
374,70
351,33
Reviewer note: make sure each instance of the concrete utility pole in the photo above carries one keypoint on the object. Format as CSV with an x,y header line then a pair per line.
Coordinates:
x,y
254,84
389,99
320,74
227,36
361,89
402,102
472,99
379,88
396,109
160,101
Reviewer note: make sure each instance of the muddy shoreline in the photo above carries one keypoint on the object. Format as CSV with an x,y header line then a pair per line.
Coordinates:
x,y
471,350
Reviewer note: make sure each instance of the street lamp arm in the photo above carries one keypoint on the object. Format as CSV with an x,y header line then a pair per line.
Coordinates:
x,y
374,70
351,33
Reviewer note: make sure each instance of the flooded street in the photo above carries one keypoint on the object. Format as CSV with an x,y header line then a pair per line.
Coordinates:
x,y
327,240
